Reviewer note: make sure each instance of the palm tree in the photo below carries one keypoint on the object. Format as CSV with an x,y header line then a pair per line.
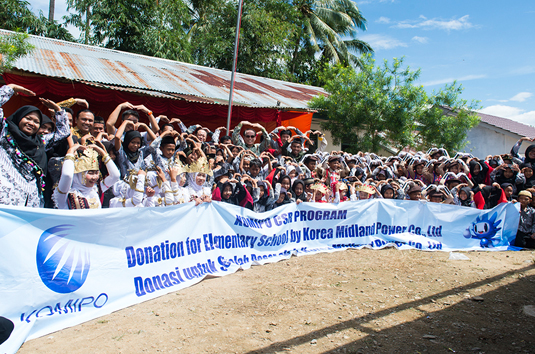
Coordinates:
x,y
328,22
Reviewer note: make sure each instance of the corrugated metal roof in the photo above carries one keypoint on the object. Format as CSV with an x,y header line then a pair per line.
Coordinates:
x,y
89,64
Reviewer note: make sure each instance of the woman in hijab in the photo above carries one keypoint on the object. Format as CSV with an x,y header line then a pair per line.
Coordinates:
x,y
131,152
22,153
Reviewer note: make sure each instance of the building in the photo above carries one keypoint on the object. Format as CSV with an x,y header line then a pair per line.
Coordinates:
x,y
496,136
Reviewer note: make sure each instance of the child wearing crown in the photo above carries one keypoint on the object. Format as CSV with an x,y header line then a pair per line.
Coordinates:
x,y
79,186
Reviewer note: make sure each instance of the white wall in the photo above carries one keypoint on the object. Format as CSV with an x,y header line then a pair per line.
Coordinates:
x,y
330,146
486,139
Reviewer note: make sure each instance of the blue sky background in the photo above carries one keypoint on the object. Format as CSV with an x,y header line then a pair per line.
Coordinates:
x,y
488,46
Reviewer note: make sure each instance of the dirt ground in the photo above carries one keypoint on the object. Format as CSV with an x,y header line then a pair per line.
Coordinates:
x,y
356,301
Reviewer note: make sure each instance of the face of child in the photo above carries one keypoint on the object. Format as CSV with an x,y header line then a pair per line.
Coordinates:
x,y
246,165
262,191
134,144
200,179
351,164
182,180
389,194
281,197
235,151
476,169
524,201
528,172
285,138
227,192
463,196
318,195
381,177
298,189
168,150
454,169
285,183
508,191
308,188
435,199
293,174
531,154
415,195
364,195
335,165
91,177
311,165
419,169
254,170
508,173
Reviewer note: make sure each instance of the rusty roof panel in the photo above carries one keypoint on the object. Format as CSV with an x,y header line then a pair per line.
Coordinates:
x,y
83,63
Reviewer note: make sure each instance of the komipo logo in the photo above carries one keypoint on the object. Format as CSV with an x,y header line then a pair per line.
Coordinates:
x,y
63,266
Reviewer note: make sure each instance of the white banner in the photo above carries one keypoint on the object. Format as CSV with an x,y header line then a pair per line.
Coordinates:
x,y
62,268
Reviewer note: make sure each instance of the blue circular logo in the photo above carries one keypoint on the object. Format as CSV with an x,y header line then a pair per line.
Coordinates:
x,y
62,264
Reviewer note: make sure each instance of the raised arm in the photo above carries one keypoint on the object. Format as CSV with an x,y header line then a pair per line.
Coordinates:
x,y
112,119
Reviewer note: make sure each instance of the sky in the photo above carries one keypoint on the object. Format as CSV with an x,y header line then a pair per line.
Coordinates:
x,y
487,46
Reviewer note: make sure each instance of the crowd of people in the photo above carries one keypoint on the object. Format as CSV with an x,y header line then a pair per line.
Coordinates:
x,y
87,161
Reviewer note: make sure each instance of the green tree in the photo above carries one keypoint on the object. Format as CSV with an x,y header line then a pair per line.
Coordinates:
x,y
12,47
326,23
381,106
16,15
266,38
148,27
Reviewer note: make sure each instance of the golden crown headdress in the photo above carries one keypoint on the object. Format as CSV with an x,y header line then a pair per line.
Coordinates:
x,y
320,187
200,166
365,188
87,161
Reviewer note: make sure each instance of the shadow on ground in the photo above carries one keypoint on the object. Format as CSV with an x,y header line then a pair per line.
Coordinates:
x,y
455,328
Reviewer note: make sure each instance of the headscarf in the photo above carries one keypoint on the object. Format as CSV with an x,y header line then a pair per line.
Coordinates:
x,y
386,187
303,195
128,137
32,146
468,200
526,154
46,120
482,175
192,182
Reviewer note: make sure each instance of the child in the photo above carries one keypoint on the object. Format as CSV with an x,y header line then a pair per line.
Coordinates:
x,y
525,237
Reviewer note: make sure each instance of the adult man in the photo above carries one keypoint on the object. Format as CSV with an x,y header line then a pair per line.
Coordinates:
x,y
98,126
84,123
249,137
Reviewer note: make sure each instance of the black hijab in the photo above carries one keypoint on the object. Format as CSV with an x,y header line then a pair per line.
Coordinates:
x,y
31,145
128,137
303,195
526,154
483,170
386,187
468,200
46,120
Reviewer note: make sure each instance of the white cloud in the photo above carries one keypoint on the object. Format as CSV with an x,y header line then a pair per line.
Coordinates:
x,y
420,39
451,79
510,112
521,96
524,70
379,41
434,23
383,19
